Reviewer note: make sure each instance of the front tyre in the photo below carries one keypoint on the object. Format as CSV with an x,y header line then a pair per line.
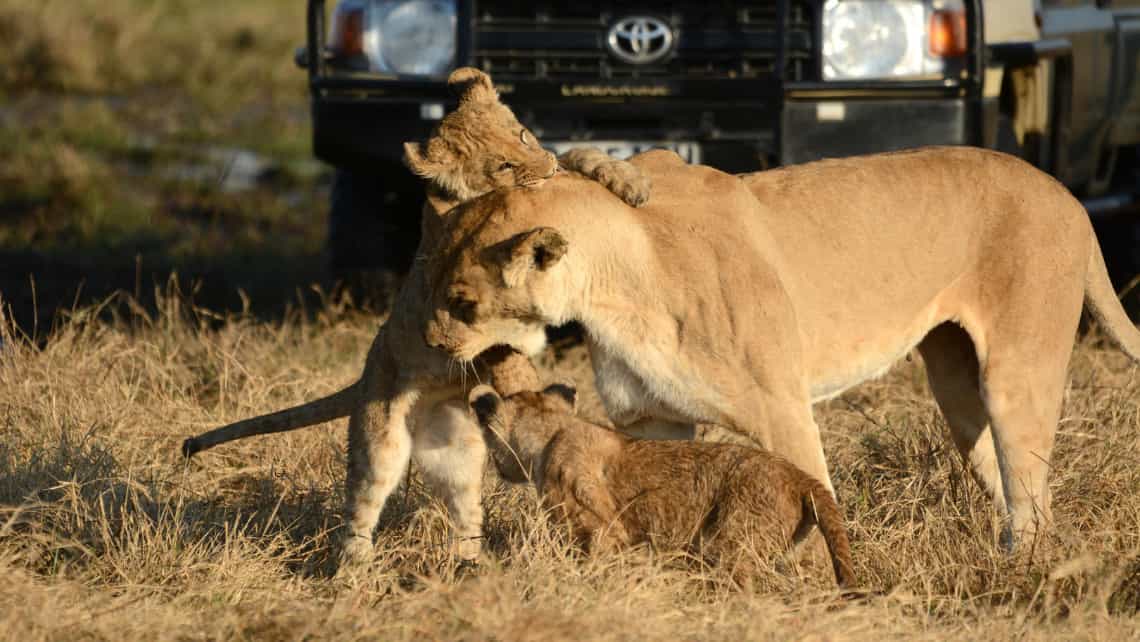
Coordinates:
x,y
373,231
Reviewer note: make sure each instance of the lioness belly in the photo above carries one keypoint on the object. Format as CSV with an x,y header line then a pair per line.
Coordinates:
x,y
631,397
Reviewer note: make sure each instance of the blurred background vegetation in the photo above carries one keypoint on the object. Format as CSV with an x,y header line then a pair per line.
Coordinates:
x,y
148,137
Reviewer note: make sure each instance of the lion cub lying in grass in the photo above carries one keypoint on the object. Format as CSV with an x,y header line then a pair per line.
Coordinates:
x,y
726,501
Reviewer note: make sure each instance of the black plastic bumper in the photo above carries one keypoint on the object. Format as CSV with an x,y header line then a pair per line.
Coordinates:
x,y
834,128
366,133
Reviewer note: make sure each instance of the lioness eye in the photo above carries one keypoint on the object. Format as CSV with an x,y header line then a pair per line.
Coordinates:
x,y
505,166
524,137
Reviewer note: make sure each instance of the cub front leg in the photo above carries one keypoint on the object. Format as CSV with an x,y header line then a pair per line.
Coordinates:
x,y
587,505
449,448
620,177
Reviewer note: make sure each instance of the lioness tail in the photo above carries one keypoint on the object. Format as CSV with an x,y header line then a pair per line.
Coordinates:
x,y
1103,304
338,404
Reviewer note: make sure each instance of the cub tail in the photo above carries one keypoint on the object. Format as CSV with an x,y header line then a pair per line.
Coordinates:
x,y
818,503
337,405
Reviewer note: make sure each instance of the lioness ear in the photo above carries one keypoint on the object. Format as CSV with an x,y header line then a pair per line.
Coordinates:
x,y
539,248
472,85
565,392
485,402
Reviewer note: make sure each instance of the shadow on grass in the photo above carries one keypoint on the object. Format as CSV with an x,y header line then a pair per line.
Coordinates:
x,y
38,285
68,501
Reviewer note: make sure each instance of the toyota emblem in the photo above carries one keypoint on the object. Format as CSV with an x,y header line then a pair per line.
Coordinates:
x,y
640,40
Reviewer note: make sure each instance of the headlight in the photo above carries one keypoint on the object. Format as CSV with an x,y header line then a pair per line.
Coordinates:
x,y
890,38
414,37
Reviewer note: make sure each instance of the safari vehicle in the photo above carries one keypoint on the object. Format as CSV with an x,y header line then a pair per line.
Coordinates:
x,y
737,85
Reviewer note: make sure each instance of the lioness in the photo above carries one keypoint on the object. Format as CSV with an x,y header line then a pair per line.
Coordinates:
x,y
724,501
478,147
741,301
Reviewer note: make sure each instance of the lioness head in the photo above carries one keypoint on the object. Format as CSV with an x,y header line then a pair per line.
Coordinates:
x,y
517,427
480,146
495,278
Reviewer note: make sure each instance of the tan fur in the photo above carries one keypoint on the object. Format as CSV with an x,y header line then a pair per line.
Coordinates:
x,y
477,148
741,301
726,502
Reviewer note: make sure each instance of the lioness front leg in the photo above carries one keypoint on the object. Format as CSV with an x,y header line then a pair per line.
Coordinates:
x,y
618,176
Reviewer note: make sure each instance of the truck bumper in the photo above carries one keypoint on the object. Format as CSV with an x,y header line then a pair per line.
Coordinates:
x,y
825,128
740,136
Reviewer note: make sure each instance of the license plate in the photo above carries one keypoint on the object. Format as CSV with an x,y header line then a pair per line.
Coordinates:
x,y
687,150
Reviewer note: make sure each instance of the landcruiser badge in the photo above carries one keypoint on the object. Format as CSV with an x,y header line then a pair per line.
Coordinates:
x,y
640,40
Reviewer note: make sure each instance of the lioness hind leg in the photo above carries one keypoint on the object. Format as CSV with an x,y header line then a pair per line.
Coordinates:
x,y
1025,407
1023,384
659,429
952,371
449,448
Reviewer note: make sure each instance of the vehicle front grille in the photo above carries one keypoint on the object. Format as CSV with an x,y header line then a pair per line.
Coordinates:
x,y
715,39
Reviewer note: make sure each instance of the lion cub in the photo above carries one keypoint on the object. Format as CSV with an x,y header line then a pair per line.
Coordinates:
x,y
721,500
481,146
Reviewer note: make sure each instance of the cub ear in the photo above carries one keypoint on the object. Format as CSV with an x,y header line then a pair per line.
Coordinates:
x,y
472,85
485,402
418,159
539,249
565,392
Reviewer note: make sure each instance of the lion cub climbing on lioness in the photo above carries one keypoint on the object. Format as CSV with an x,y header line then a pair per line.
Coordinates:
x,y
726,502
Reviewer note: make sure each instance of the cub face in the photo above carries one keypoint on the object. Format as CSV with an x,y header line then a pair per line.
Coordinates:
x,y
509,422
481,146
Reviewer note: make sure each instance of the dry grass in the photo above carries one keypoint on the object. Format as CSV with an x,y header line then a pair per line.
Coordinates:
x,y
106,534
112,46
